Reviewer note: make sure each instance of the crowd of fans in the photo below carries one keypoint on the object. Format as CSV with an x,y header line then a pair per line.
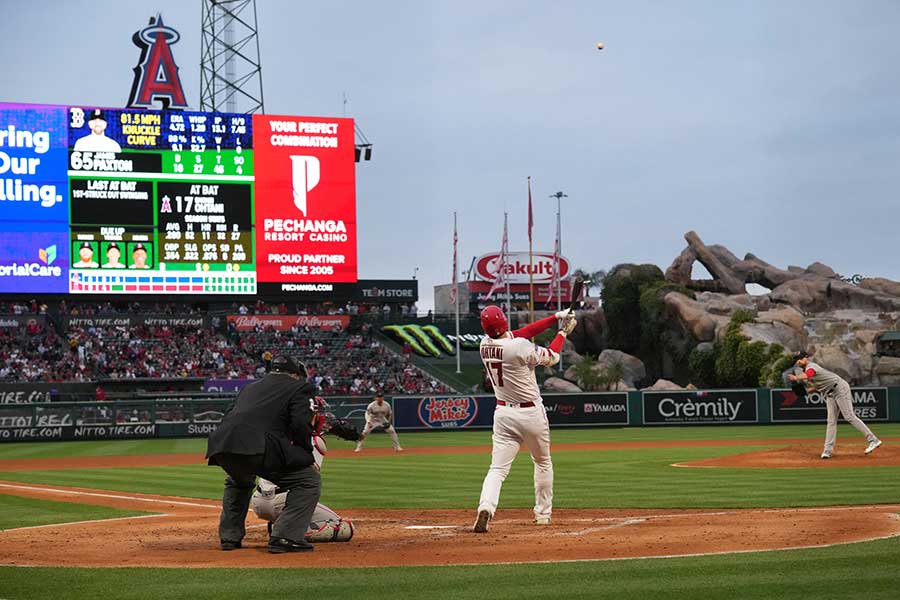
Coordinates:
x,y
348,361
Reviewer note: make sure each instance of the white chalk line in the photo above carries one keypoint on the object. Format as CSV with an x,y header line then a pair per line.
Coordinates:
x,y
624,523
99,495
2,531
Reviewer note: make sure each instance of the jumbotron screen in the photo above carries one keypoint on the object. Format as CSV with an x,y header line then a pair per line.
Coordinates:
x,y
96,200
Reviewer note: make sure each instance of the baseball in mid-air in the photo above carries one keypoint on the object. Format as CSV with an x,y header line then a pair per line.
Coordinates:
x,y
599,45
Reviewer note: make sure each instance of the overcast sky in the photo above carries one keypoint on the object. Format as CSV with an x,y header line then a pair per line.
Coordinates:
x,y
771,127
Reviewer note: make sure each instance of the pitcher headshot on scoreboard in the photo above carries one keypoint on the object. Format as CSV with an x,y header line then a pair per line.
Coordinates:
x,y
139,257
113,257
96,140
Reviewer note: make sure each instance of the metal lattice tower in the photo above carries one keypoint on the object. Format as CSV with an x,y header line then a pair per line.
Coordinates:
x,y
230,71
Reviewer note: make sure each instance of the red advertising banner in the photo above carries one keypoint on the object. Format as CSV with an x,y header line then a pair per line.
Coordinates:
x,y
305,199
285,322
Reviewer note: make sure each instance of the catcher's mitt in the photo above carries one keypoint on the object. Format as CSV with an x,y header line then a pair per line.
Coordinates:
x,y
342,428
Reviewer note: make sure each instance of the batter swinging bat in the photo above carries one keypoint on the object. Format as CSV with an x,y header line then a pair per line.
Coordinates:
x,y
576,293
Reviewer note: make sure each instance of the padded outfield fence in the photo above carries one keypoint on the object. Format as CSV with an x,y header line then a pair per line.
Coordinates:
x,y
197,415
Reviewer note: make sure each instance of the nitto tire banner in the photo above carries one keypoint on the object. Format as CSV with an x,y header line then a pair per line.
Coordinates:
x,y
305,199
700,407
869,404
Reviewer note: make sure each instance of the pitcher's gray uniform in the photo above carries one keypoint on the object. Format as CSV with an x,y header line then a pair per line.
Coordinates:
x,y
379,414
836,392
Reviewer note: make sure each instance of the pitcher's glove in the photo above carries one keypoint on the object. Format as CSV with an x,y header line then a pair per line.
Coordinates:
x,y
799,389
342,428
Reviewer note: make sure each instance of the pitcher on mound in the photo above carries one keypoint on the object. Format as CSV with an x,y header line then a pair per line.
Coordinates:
x,y
510,358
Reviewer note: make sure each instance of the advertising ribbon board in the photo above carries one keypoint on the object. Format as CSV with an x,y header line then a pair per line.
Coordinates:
x,y
700,407
869,404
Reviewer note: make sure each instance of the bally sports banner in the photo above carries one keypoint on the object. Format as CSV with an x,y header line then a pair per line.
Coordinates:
x,y
285,322
305,199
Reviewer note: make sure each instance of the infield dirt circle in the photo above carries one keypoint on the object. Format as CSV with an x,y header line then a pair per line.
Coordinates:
x,y
184,534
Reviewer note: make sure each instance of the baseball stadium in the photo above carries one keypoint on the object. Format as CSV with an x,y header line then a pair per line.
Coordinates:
x,y
218,379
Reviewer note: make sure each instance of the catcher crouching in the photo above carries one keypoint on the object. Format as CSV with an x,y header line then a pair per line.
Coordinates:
x,y
325,525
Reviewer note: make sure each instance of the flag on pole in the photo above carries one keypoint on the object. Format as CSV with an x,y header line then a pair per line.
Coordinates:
x,y
554,281
455,278
500,279
530,214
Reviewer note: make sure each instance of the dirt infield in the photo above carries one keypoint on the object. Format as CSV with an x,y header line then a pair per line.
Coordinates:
x,y
183,534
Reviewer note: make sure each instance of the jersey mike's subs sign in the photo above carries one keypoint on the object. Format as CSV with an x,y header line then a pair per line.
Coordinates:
x,y
305,199
518,267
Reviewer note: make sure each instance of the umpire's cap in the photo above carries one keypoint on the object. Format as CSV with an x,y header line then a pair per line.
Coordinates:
x,y
798,355
286,364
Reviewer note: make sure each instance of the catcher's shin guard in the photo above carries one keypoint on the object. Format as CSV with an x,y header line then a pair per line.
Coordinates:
x,y
332,531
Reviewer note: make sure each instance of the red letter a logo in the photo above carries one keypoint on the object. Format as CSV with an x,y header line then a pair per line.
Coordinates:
x,y
156,75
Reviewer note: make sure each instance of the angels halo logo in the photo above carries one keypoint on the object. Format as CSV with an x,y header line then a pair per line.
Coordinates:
x,y
447,411
156,74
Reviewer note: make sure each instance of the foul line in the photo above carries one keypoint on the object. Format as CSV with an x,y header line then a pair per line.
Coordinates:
x,y
2,531
99,495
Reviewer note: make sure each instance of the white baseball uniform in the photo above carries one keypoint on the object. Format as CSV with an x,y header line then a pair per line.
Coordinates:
x,y
379,415
324,526
519,418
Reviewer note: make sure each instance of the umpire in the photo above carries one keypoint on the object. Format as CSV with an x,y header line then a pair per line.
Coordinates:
x,y
268,432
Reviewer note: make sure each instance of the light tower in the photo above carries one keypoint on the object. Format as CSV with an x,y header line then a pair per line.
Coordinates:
x,y
230,71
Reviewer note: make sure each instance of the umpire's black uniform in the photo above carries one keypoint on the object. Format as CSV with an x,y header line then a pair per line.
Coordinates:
x,y
267,432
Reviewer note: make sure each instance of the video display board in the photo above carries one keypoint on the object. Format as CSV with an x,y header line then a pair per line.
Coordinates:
x,y
138,201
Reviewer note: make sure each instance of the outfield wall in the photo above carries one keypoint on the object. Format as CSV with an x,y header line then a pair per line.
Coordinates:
x,y
198,417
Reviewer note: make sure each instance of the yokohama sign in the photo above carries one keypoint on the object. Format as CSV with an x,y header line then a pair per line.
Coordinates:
x,y
285,322
517,267
305,199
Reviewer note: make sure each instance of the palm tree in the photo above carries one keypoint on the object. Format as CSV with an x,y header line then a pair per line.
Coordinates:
x,y
592,279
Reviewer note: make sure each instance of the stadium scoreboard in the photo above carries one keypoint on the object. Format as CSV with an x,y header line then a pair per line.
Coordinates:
x,y
141,201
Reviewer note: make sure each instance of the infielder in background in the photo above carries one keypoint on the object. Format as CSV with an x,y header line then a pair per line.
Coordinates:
x,y
836,392
379,414
510,359
326,525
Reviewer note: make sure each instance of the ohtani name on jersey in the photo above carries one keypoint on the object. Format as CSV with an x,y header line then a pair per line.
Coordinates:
x,y
492,352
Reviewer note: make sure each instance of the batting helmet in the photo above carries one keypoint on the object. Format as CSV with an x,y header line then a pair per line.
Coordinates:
x,y
493,321
286,364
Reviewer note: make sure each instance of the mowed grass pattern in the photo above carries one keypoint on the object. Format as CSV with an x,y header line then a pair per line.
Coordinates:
x,y
641,478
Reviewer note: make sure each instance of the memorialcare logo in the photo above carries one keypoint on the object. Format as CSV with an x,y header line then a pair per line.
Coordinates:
x,y
47,256
446,412
156,74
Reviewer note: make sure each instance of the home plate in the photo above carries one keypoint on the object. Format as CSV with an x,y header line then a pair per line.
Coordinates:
x,y
432,527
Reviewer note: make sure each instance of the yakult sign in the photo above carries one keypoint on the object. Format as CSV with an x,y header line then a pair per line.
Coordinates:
x,y
305,199
517,267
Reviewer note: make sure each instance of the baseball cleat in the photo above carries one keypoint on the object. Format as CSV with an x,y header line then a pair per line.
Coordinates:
x,y
872,446
358,449
541,521
226,546
482,522
398,449
826,455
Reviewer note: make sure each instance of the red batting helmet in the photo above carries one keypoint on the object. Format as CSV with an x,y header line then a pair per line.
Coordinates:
x,y
493,321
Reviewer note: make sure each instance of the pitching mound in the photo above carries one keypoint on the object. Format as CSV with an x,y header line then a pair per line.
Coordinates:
x,y
805,456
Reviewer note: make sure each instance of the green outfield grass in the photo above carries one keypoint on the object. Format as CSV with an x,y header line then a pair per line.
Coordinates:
x,y
865,571
457,438
28,512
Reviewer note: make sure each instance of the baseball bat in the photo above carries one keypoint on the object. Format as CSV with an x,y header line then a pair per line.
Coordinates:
x,y
576,292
